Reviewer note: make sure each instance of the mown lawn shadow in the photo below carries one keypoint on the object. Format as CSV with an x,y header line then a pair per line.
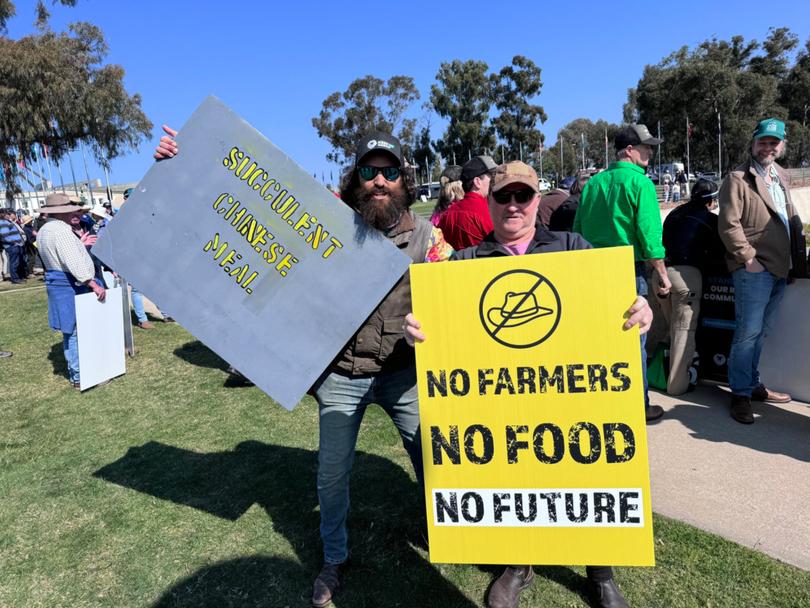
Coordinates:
x,y
197,353
387,510
57,358
255,581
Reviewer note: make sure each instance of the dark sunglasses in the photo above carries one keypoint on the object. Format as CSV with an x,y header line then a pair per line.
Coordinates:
x,y
524,195
369,173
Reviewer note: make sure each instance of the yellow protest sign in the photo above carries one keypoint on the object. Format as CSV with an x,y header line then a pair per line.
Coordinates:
x,y
532,411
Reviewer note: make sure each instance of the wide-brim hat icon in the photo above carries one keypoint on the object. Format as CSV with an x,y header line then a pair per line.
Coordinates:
x,y
518,308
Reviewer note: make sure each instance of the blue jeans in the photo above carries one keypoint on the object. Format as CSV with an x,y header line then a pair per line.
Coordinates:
x,y
641,289
70,346
137,304
756,298
342,401
15,260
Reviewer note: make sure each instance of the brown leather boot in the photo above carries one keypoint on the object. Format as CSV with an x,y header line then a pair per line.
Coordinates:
x,y
741,409
505,592
762,393
326,585
607,594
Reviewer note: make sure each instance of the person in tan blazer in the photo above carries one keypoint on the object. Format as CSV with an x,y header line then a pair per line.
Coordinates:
x,y
758,225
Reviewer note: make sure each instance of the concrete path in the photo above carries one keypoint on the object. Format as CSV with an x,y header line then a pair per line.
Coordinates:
x,y
747,483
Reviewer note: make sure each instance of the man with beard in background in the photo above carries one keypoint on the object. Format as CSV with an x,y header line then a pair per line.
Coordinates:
x,y
376,365
765,248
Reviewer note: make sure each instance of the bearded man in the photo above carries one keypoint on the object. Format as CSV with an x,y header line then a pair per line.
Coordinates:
x,y
765,246
376,366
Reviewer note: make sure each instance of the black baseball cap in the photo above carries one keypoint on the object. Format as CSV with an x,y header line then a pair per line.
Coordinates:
x,y
704,190
477,165
378,141
633,135
452,172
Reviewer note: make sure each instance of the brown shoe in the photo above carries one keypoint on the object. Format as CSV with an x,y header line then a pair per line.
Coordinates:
x,y
326,585
741,409
761,393
505,591
146,325
607,594
653,413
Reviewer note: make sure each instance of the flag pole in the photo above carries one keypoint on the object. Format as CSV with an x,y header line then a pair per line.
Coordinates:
x,y
86,172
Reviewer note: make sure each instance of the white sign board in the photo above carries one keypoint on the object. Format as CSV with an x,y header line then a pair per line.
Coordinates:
x,y
101,338
783,363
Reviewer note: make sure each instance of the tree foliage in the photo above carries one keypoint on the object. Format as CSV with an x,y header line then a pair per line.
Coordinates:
x,y
463,95
742,81
55,91
8,10
794,93
516,125
570,138
421,150
593,135
368,104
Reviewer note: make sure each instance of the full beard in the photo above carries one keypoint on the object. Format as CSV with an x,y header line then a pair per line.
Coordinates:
x,y
382,215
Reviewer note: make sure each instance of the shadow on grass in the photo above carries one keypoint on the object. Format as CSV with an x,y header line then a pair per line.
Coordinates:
x,y
387,510
200,355
246,581
57,358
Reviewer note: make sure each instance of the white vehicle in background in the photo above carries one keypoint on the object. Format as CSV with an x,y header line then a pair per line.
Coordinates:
x,y
544,185
672,168
710,175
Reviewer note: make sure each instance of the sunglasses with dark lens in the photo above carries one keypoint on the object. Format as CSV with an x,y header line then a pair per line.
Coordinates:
x,y
369,173
524,195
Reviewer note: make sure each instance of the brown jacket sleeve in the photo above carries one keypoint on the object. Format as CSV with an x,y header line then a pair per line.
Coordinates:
x,y
733,194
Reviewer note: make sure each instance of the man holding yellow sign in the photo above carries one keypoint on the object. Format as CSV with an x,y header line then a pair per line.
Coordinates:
x,y
533,442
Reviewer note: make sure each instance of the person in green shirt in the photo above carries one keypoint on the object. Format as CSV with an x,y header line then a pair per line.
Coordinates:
x,y
619,207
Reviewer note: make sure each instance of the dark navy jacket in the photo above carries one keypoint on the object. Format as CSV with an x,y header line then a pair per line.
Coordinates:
x,y
691,237
544,241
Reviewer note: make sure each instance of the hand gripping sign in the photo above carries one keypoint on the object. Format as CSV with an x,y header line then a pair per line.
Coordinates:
x,y
532,410
250,254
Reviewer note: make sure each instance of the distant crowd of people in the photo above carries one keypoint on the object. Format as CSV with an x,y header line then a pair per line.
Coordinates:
x,y
675,186
57,244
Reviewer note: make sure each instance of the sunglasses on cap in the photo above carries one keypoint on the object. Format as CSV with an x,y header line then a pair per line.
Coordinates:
x,y
368,173
524,195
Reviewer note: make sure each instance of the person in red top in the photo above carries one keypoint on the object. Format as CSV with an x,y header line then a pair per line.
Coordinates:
x,y
467,221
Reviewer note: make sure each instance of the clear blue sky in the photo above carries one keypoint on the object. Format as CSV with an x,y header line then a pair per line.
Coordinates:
x,y
274,63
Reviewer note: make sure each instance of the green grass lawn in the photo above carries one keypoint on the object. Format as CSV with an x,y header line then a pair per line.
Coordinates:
x,y
176,486
424,209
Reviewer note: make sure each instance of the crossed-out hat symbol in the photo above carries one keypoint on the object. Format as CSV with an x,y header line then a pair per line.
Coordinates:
x,y
520,308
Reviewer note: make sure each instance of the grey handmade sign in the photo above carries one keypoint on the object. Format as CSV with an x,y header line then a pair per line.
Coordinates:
x,y
250,254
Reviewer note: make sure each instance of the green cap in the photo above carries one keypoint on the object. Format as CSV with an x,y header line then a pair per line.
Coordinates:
x,y
770,127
